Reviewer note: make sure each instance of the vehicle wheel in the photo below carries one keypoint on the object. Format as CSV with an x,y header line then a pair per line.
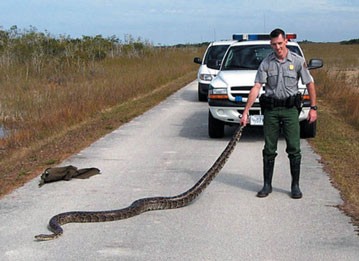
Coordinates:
x,y
201,96
215,127
308,130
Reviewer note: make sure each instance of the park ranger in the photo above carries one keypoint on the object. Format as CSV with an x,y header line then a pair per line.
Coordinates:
x,y
280,72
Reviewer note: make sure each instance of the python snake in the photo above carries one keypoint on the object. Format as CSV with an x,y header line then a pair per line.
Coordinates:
x,y
144,204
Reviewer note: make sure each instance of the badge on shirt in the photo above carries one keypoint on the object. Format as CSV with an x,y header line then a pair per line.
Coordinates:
x,y
291,67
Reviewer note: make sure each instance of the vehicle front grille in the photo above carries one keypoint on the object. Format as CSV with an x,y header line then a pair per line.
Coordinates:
x,y
242,92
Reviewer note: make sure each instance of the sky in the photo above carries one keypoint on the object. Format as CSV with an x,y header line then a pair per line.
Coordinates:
x,y
170,22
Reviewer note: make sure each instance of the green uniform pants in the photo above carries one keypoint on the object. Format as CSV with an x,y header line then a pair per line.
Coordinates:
x,y
274,119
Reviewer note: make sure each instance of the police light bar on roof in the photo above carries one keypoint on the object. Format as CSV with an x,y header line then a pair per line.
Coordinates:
x,y
253,37
291,36
250,37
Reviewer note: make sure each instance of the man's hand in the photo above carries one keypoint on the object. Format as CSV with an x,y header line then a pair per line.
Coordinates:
x,y
244,119
253,94
312,116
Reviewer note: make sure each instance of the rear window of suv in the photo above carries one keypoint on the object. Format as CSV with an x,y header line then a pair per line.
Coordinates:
x,y
248,57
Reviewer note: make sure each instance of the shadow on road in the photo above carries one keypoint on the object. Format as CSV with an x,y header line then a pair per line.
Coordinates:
x,y
191,95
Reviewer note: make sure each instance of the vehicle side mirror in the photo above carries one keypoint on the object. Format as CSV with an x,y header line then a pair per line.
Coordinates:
x,y
197,60
214,64
315,64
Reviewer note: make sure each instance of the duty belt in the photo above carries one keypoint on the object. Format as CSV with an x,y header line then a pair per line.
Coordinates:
x,y
270,102
279,103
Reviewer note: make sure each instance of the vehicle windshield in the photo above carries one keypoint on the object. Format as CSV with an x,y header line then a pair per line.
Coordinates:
x,y
215,53
249,57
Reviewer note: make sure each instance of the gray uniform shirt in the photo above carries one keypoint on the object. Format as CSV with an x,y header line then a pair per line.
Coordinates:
x,y
281,77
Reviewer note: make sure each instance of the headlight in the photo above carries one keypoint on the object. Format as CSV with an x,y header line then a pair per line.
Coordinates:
x,y
217,93
205,77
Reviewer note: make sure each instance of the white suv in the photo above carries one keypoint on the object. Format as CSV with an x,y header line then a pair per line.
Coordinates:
x,y
209,66
228,92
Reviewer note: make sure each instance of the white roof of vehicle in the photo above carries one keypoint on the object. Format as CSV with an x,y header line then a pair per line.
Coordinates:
x,y
223,42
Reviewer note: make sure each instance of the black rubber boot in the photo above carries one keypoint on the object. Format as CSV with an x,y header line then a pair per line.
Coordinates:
x,y
268,166
295,172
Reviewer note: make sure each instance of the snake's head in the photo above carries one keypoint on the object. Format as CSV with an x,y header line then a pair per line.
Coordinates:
x,y
45,237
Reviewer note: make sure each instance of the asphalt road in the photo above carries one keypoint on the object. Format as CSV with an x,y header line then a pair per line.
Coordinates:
x,y
163,153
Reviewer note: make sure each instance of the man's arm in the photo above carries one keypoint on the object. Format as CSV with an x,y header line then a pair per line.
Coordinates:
x,y
253,94
312,116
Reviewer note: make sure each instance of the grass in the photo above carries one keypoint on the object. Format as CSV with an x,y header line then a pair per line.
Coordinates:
x,y
337,139
338,144
54,115
39,106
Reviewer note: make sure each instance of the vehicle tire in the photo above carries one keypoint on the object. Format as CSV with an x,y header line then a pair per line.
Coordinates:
x,y
308,130
201,96
215,127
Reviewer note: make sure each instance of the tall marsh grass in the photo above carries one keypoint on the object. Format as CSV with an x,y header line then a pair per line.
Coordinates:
x,y
338,82
44,91
337,139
